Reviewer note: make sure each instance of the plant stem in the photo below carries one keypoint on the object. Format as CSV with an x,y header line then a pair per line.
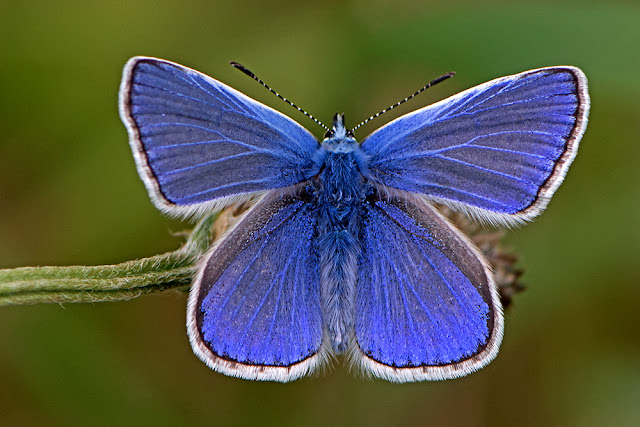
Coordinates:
x,y
172,270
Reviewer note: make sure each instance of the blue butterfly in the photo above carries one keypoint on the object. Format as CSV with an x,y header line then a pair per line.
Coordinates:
x,y
344,252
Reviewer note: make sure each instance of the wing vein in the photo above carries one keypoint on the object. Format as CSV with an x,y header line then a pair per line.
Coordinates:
x,y
182,95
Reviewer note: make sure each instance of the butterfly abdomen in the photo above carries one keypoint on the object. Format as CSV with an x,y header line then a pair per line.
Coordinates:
x,y
341,190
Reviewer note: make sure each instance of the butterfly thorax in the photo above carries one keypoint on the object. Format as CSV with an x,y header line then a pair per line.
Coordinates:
x,y
340,189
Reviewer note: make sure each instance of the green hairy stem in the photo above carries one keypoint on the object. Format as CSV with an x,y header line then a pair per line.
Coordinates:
x,y
172,270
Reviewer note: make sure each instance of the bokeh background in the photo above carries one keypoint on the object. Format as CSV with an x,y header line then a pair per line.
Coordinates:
x,y
70,194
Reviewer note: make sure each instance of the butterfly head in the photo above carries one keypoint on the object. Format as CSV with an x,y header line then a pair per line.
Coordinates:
x,y
339,139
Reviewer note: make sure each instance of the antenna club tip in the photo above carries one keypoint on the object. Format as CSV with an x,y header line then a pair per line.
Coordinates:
x,y
242,68
442,78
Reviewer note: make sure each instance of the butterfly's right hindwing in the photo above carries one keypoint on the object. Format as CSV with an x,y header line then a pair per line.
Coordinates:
x,y
199,144
427,306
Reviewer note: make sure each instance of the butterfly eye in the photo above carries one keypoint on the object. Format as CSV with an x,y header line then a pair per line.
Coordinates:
x,y
350,134
329,134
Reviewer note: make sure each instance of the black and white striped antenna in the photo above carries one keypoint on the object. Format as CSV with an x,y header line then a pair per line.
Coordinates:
x,y
254,77
432,83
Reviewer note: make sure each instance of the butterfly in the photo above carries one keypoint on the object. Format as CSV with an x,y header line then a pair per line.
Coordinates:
x,y
344,252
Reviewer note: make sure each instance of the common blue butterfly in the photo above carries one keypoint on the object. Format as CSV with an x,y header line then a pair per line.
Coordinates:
x,y
343,252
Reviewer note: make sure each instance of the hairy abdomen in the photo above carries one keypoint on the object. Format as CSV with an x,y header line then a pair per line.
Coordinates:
x,y
341,190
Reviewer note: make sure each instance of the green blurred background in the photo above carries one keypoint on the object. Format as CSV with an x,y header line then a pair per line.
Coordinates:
x,y
70,194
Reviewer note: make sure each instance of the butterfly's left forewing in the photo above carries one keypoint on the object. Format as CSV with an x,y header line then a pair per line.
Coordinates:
x,y
254,308
427,307
200,144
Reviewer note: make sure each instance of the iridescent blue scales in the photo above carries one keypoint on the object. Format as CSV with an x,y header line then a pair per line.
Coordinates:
x,y
343,252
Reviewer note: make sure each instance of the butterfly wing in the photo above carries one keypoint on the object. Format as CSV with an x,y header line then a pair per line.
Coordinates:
x,y
254,309
199,143
497,151
427,307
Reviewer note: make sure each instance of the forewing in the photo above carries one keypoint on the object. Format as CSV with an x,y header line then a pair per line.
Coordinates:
x,y
198,142
497,151
254,308
427,307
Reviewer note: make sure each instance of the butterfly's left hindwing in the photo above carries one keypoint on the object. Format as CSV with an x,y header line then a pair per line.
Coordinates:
x,y
199,144
254,309
427,306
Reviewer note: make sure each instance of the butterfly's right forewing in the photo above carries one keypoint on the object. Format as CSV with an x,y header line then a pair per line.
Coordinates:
x,y
497,151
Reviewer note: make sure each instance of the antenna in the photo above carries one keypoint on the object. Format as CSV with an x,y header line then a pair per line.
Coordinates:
x,y
432,83
254,77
